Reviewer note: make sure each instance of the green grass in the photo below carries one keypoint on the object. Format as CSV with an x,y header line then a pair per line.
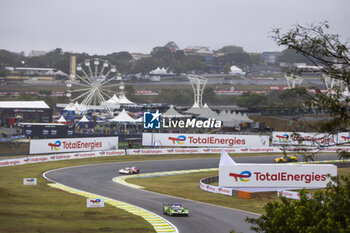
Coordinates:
x,y
190,189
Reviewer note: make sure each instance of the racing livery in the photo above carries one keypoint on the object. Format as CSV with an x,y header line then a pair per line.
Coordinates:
x,y
175,209
129,170
288,158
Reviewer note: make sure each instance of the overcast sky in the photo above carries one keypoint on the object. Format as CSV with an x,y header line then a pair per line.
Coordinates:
x,y
106,26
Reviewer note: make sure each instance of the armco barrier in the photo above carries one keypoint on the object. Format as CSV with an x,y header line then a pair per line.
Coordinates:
x,y
58,157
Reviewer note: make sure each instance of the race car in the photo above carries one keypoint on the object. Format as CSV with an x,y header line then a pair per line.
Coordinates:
x,y
129,170
175,209
287,158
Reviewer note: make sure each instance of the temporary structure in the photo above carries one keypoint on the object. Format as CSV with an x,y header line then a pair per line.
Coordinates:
x,y
172,113
123,117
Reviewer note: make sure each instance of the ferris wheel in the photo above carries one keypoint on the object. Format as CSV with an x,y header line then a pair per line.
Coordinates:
x,y
95,80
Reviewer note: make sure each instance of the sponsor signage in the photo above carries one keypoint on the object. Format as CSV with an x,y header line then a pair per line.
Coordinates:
x,y
95,203
291,195
215,189
204,140
57,157
276,175
29,181
62,145
305,139
153,120
344,138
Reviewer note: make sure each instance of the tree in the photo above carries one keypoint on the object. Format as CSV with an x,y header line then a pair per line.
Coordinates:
x,y
250,99
333,57
231,49
326,212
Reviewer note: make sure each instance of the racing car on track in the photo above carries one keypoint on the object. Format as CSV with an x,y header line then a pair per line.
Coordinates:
x,y
175,209
286,158
129,170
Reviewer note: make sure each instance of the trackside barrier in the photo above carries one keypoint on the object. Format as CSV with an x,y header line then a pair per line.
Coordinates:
x,y
58,157
78,155
233,150
205,185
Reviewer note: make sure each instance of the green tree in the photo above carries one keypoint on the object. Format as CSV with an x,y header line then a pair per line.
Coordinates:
x,y
250,100
231,49
326,212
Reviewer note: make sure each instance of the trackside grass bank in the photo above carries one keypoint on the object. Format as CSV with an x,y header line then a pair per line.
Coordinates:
x,y
41,208
190,189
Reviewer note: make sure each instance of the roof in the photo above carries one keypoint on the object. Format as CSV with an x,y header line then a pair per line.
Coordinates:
x,y
23,104
123,117
171,112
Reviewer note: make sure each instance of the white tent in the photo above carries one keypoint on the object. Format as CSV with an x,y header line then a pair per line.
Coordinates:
x,y
172,113
123,117
159,71
83,120
61,120
236,71
124,100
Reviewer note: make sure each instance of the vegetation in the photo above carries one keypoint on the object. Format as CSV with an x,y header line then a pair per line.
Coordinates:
x,y
327,211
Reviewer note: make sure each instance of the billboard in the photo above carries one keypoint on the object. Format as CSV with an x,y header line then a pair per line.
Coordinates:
x,y
304,139
63,145
204,140
276,175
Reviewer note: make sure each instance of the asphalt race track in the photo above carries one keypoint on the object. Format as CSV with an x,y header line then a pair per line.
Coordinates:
x,y
202,218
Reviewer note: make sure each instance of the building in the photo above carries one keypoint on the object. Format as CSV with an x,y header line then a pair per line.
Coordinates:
x,y
36,53
13,112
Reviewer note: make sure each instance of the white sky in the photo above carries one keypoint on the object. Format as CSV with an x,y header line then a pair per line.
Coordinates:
x,y
106,26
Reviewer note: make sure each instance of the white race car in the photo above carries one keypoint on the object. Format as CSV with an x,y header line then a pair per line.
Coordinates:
x,y
129,170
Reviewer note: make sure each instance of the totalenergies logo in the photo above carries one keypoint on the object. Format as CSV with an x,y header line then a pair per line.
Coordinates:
x,y
96,201
346,138
180,139
284,137
245,150
55,146
243,176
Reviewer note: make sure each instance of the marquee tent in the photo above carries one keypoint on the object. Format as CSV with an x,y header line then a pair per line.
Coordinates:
x,y
172,113
123,117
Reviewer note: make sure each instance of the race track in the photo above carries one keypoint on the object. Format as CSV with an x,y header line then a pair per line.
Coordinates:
x,y
203,217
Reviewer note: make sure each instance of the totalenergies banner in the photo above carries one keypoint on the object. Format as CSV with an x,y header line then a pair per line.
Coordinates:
x,y
305,139
276,175
204,140
58,157
62,145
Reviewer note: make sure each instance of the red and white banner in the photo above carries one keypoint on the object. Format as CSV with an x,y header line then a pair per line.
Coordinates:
x,y
233,150
62,145
216,189
291,195
303,139
276,175
204,140
57,157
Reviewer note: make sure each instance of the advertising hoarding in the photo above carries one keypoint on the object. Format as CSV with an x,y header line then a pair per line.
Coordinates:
x,y
304,139
344,138
204,140
94,203
276,175
63,145
29,181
